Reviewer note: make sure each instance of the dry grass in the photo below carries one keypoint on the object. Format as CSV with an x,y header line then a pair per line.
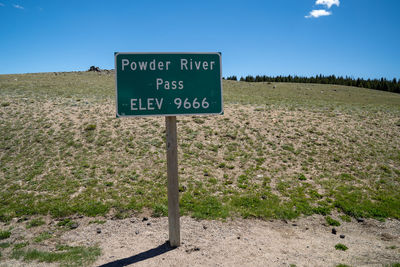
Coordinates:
x,y
297,149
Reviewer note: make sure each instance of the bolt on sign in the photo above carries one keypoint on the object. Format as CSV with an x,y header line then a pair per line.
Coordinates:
x,y
168,84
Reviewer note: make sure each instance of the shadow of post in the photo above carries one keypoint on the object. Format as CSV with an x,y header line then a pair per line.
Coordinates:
x,y
161,249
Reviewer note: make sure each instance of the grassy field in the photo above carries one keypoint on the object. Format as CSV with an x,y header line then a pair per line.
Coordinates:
x,y
280,151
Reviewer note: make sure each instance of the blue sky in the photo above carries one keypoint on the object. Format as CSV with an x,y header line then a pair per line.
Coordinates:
x,y
359,38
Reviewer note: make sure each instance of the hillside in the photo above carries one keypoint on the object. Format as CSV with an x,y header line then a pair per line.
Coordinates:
x,y
280,151
316,145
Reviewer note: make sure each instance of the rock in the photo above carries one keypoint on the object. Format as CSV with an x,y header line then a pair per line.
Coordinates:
x,y
94,68
360,220
137,232
74,225
342,236
206,174
294,224
145,219
334,231
149,223
190,250
98,230
238,237
133,221
204,227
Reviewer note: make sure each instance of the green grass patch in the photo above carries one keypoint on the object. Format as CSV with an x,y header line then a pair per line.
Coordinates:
x,y
98,222
265,205
90,127
92,208
160,210
302,177
35,223
207,207
5,245
356,203
4,234
345,218
20,245
65,255
68,223
340,246
332,221
42,236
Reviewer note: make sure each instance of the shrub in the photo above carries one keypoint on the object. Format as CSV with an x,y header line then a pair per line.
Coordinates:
x,y
341,247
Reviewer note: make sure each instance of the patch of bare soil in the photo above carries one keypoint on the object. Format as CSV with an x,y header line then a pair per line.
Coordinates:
x,y
309,241
304,242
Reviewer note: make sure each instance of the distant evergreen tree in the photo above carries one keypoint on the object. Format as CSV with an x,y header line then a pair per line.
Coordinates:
x,y
232,78
249,78
378,84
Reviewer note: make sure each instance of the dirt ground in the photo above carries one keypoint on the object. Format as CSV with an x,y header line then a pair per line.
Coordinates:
x,y
303,242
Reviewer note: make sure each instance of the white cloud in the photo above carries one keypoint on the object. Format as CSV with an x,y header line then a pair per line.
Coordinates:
x,y
18,6
318,13
328,3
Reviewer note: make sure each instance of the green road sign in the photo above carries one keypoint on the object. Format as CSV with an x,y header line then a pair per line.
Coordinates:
x,y
168,84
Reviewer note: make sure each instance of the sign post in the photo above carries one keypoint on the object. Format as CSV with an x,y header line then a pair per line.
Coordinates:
x,y
169,84
173,185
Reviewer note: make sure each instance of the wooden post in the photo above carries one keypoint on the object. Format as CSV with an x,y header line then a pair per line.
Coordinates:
x,y
173,186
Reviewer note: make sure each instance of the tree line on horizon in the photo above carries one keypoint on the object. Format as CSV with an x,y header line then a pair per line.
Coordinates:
x,y
378,84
